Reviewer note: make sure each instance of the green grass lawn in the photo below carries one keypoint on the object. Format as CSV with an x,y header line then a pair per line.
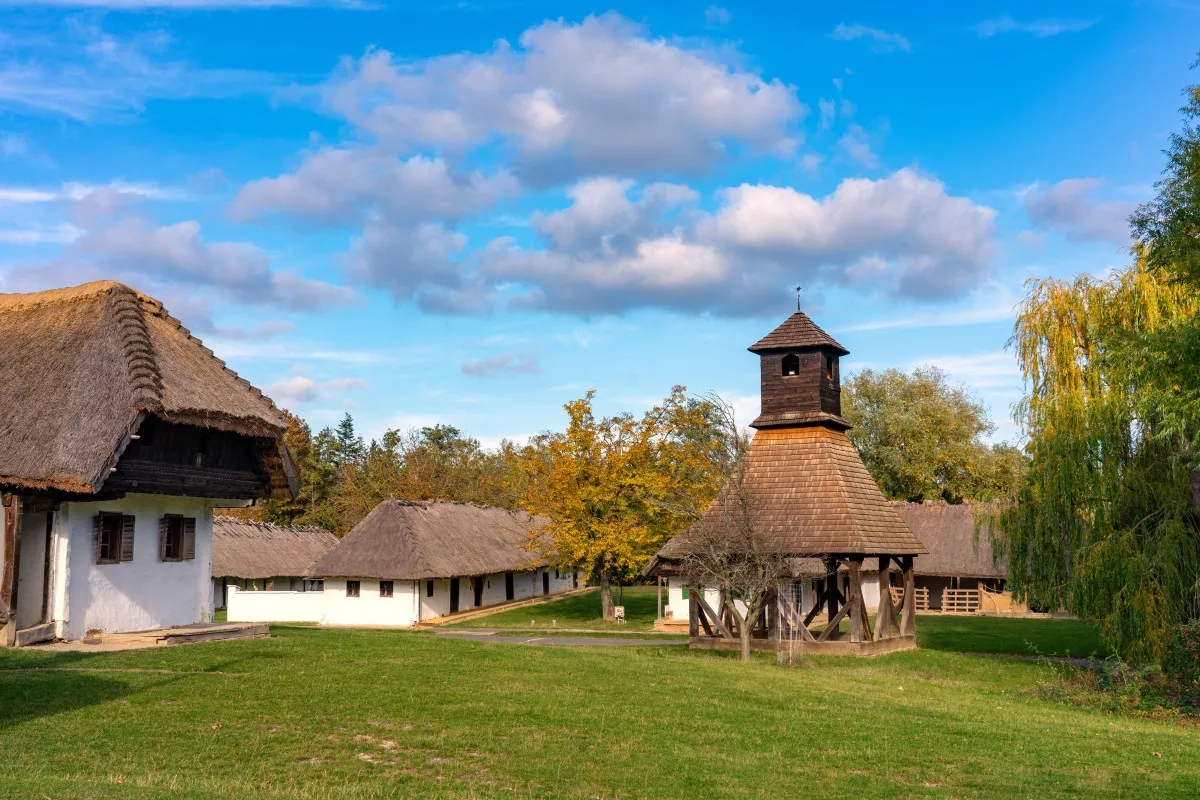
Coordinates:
x,y
313,713
1048,637
581,611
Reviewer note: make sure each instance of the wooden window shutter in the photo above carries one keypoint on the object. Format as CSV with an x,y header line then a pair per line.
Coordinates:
x,y
164,530
189,539
97,526
127,538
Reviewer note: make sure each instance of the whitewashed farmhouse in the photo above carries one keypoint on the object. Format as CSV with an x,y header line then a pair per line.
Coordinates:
x,y
262,557
410,562
119,434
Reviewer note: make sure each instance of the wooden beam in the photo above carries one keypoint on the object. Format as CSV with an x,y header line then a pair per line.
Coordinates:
x,y
659,597
818,603
831,630
832,594
12,535
771,607
792,614
693,613
704,607
908,614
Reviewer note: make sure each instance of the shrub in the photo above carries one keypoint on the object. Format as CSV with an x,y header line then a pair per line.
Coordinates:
x,y
1181,661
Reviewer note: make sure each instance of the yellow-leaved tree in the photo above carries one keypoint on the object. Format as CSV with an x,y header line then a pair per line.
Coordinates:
x,y
615,488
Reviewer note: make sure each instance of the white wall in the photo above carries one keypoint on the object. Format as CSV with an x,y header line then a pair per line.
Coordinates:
x,y
369,608
275,606
133,595
677,604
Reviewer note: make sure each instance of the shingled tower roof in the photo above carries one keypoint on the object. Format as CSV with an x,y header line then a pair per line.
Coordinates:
x,y
797,332
811,493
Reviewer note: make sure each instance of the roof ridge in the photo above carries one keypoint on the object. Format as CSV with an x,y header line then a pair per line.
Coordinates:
x,y
84,292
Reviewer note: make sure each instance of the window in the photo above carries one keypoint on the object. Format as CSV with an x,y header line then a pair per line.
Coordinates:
x,y
114,537
385,588
429,588
176,538
791,365
314,586
351,588
829,367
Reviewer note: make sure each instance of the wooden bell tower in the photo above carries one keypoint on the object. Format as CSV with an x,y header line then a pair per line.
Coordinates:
x,y
801,376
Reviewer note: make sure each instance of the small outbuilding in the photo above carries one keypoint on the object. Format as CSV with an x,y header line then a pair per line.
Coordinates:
x,y
260,556
409,562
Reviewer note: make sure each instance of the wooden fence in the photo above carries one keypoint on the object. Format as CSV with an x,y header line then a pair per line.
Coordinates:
x,y
960,601
920,598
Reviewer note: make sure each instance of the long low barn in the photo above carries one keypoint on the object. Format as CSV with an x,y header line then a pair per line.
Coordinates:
x,y
260,556
409,562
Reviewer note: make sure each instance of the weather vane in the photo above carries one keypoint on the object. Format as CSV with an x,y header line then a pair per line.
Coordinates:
x,y
798,298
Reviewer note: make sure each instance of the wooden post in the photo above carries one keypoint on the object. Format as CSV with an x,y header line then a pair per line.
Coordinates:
x,y
831,587
886,616
659,597
908,614
693,613
772,609
9,565
855,601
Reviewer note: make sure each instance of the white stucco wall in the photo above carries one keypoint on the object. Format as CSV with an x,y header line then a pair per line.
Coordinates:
x,y
677,604
399,610
275,606
134,595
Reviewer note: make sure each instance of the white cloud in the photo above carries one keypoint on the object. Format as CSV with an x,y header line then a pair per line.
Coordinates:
x,y
1038,28
933,244
857,146
990,303
882,41
336,186
302,389
112,243
1070,208
978,370
510,363
86,73
600,96
40,234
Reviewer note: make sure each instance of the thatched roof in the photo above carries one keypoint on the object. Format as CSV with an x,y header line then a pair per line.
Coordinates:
x,y
948,533
244,549
402,540
811,495
797,332
84,365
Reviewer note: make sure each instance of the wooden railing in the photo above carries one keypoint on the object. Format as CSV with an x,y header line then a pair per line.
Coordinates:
x,y
960,601
920,598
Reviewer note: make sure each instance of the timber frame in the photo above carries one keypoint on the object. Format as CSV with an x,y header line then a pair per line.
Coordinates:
x,y
783,626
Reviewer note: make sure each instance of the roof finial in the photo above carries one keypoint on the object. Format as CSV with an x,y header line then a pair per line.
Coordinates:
x,y
798,298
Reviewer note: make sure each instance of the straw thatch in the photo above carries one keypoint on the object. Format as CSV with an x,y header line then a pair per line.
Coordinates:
x,y
810,494
402,540
797,332
82,366
244,549
948,533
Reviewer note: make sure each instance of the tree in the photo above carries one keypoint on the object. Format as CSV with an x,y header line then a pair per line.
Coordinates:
x,y
615,488
728,549
1104,523
921,437
350,446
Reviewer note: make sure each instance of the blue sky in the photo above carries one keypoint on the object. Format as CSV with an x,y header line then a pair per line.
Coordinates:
x,y
471,213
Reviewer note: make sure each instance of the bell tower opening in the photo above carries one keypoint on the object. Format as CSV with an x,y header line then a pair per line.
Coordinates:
x,y
828,368
791,365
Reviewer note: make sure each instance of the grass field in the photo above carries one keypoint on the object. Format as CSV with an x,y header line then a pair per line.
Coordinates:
x,y
1048,637
316,713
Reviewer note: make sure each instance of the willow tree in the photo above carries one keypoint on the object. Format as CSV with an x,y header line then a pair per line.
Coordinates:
x,y
1105,524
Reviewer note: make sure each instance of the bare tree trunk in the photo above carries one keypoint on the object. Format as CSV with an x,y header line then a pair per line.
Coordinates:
x,y
743,626
606,601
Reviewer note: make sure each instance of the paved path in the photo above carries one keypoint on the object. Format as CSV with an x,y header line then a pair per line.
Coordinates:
x,y
560,641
